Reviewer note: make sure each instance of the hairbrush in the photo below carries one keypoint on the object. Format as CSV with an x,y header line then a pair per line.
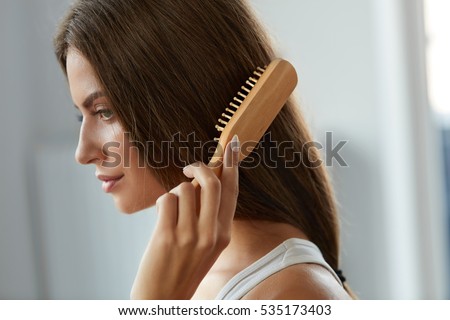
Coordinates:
x,y
253,109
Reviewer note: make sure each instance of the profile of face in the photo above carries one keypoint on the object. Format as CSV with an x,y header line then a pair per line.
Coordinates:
x,y
103,142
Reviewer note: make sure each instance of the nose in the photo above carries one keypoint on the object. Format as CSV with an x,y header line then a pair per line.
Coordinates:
x,y
89,149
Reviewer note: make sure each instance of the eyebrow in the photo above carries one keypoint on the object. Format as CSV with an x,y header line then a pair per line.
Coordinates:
x,y
90,99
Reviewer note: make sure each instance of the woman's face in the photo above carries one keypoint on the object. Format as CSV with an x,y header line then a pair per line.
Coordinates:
x,y
104,143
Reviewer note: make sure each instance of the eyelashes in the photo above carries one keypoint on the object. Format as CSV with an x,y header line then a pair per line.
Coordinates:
x,y
103,114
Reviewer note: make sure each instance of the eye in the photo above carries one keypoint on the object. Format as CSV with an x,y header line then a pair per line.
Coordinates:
x,y
105,114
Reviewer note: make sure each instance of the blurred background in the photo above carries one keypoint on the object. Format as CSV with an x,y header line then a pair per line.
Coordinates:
x,y
375,73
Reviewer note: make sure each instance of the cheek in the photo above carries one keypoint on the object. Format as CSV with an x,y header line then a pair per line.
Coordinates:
x,y
114,146
142,187
137,169
141,190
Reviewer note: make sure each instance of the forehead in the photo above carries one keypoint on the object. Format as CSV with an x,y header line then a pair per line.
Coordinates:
x,y
81,76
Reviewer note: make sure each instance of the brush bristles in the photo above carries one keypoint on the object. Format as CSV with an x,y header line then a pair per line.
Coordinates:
x,y
239,99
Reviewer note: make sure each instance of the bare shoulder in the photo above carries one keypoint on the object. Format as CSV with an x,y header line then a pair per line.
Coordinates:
x,y
299,282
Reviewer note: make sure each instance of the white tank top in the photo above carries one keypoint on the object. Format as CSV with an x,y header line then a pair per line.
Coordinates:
x,y
290,252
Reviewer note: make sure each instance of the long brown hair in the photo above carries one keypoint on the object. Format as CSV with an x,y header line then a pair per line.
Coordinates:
x,y
172,66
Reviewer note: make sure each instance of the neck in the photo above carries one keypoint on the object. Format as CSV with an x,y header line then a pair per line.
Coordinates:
x,y
252,239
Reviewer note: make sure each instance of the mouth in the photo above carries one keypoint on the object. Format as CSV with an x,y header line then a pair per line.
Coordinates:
x,y
109,182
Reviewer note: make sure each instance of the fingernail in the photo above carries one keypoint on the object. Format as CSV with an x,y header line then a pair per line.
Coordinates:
x,y
235,143
187,171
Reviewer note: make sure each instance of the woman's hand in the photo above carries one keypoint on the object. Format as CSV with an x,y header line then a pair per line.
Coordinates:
x,y
186,243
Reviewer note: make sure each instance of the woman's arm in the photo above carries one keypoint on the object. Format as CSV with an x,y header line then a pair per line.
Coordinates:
x,y
185,244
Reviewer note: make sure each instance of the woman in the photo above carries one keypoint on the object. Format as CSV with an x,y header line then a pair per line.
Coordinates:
x,y
146,73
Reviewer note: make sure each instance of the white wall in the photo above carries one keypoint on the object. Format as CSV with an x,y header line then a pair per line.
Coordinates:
x,y
61,238
17,277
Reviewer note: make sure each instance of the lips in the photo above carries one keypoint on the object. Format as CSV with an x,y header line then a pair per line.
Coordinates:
x,y
109,182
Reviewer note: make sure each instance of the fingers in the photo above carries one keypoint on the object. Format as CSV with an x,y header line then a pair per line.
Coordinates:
x,y
217,199
167,209
230,182
187,217
210,191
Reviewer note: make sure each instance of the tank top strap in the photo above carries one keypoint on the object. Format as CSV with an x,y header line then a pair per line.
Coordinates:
x,y
290,252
